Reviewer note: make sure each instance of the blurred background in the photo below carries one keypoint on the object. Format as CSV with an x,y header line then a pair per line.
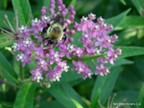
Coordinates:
x,y
128,85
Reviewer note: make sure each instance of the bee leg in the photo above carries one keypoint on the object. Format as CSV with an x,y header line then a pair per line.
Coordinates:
x,y
45,28
64,29
45,42
64,39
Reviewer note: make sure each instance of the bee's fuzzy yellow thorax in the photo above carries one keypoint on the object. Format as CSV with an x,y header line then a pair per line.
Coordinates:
x,y
55,31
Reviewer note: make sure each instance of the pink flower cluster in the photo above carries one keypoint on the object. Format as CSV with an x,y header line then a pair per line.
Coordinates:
x,y
52,62
96,41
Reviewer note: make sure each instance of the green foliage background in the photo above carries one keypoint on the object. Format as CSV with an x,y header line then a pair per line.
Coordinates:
x,y
125,83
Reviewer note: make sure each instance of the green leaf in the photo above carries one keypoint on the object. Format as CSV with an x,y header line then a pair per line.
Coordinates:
x,y
2,18
3,4
70,77
131,51
103,87
6,40
117,19
17,66
73,2
5,105
23,9
6,43
46,3
123,2
130,95
141,97
138,5
25,96
66,95
51,104
7,70
139,63
131,22
119,62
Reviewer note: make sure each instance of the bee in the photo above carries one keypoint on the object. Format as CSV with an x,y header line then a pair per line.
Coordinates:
x,y
54,32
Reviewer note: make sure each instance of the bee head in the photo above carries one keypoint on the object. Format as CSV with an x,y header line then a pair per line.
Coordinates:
x,y
59,19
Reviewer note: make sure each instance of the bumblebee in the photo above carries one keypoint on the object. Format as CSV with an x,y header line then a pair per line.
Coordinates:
x,y
54,32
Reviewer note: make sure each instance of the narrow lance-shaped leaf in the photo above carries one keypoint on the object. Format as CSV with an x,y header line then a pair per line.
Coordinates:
x,y
117,19
141,97
3,20
131,21
73,2
139,6
23,10
119,62
103,87
51,104
6,40
6,105
66,96
25,96
7,70
131,51
3,4
123,1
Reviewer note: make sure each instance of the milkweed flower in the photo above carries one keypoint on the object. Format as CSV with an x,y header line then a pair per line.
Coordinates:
x,y
51,62
96,41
